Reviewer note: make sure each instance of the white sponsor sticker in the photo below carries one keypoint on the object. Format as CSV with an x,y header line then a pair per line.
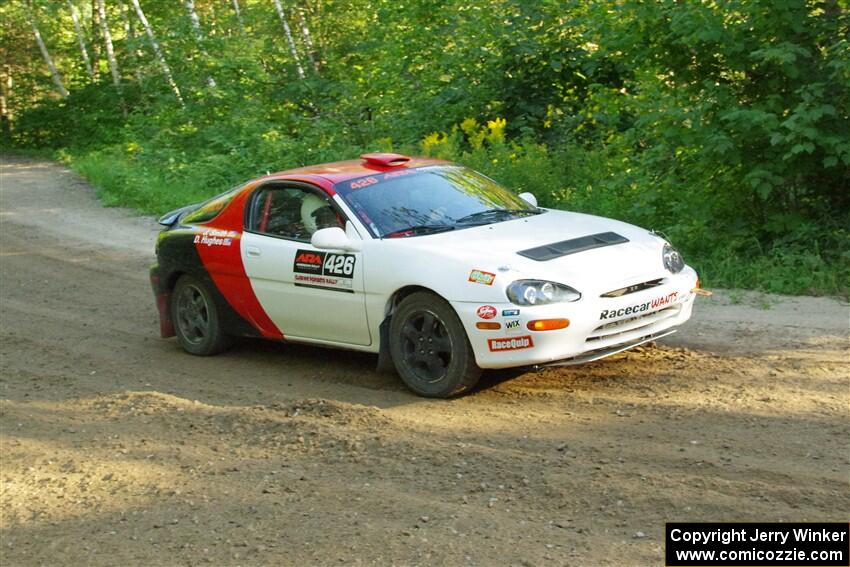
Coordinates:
x,y
510,343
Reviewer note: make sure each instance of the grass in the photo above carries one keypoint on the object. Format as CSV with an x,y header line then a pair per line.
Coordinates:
x,y
119,181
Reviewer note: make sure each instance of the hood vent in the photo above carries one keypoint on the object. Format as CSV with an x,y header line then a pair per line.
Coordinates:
x,y
385,160
573,246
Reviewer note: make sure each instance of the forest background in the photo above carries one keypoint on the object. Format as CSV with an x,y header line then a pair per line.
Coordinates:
x,y
722,124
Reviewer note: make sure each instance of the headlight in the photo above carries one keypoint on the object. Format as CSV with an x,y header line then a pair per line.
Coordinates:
x,y
672,259
539,292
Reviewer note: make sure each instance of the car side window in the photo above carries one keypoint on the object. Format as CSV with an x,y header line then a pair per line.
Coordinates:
x,y
291,212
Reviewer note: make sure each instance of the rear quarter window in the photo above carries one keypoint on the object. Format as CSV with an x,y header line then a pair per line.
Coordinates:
x,y
208,210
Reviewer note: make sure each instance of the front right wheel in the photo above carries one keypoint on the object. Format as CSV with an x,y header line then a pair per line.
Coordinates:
x,y
430,348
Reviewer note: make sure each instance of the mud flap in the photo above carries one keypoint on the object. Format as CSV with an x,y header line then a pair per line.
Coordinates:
x,y
163,305
385,358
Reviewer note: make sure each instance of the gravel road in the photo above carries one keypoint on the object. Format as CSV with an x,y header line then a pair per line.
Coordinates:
x,y
118,449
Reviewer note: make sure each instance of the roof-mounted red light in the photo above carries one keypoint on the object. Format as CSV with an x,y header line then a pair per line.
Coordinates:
x,y
385,160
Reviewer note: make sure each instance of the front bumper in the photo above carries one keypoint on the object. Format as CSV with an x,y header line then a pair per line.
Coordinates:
x,y
599,326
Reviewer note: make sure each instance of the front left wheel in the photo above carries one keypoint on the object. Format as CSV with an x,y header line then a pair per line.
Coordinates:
x,y
196,319
430,349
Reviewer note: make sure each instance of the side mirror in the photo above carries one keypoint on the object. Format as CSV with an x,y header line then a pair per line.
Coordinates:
x,y
529,198
333,238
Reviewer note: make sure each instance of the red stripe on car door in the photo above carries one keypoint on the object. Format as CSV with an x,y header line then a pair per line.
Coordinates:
x,y
224,265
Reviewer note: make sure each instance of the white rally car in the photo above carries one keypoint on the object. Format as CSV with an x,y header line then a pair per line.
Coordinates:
x,y
435,267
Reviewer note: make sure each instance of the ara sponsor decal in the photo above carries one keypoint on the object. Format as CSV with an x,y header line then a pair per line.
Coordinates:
x,y
510,343
486,312
656,303
479,276
513,326
510,312
324,270
307,262
216,237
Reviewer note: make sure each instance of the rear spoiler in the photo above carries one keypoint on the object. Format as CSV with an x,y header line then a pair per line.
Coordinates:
x,y
170,219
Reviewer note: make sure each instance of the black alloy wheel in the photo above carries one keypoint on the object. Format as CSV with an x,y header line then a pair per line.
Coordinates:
x,y
426,346
430,349
196,320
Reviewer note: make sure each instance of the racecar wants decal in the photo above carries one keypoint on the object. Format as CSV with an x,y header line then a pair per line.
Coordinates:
x,y
486,312
478,276
324,270
510,312
510,343
512,326
639,308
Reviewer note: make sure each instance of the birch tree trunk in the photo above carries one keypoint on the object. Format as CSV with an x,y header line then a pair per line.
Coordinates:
x,y
110,50
130,34
238,15
54,72
166,70
282,15
199,35
95,44
75,16
308,40
5,109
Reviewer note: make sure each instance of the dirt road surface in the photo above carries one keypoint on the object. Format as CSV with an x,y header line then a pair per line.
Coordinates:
x,y
118,449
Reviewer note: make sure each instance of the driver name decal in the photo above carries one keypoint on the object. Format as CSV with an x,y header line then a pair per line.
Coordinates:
x,y
215,237
324,270
511,343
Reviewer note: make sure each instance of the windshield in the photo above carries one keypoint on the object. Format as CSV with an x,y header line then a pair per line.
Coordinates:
x,y
411,202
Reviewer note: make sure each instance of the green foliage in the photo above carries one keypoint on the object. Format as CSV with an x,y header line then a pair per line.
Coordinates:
x,y
722,124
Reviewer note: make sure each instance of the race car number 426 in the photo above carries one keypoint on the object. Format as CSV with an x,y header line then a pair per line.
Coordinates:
x,y
339,265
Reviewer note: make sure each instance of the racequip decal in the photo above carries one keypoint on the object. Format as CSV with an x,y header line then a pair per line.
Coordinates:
x,y
641,307
325,270
486,312
479,276
216,237
512,326
510,312
510,343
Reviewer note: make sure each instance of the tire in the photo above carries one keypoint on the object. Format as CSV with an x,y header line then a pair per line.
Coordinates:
x,y
196,318
448,367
